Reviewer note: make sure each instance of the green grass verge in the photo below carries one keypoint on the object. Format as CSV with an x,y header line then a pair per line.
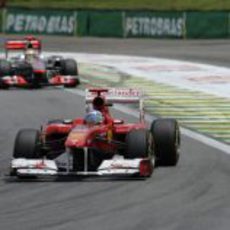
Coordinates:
x,y
125,4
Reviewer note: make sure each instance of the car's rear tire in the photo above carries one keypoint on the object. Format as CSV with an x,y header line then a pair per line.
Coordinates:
x,y
27,144
166,139
136,144
5,68
69,67
3,85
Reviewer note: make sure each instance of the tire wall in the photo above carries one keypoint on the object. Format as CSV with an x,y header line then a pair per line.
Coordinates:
x,y
111,23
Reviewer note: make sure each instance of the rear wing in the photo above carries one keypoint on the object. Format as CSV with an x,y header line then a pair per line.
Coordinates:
x,y
117,95
28,42
114,95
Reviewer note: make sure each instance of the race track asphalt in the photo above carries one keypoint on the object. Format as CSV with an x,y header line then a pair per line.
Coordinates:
x,y
194,195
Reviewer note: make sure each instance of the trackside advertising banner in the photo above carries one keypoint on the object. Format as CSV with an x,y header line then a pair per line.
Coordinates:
x,y
118,23
154,24
40,22
1,20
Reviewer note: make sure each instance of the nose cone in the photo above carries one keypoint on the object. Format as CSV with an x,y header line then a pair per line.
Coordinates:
x,y
76,139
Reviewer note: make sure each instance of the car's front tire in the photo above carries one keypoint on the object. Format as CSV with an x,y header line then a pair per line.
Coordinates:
x,y
136,144
27,144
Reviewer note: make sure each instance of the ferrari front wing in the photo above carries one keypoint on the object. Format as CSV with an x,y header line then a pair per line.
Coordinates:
x,y
115,166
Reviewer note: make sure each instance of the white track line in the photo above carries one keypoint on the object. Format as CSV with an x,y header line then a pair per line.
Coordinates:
x,y
196,136
214,80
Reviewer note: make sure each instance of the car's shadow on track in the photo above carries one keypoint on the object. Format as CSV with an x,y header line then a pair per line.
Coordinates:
x,y
9,179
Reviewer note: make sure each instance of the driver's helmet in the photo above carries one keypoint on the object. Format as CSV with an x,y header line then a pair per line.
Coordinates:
x,y
30,55
93,118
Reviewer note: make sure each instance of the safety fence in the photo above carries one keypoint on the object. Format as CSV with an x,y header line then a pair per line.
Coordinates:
x,y
127,24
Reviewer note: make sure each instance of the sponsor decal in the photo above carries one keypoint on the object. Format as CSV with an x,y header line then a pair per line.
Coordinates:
x,y
116,92
25,22
154,26
124,92
40,165
117,165
76,136
110,134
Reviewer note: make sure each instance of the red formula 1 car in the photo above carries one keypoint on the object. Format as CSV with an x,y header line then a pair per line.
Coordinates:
x,y
28,68
97,144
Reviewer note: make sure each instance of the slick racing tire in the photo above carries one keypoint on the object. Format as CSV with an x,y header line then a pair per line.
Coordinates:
x,y
27,144
5,68
136,144
26,70
69,67
3,85
166,141
23,69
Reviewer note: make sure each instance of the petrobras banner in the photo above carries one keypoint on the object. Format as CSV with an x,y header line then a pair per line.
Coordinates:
x,y
154,24
40,22
139,24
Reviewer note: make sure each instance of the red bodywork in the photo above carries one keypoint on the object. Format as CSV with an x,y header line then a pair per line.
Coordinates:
x,y
80,135
102,136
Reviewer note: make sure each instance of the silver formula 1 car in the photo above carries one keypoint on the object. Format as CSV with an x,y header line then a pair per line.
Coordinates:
x,y
25,66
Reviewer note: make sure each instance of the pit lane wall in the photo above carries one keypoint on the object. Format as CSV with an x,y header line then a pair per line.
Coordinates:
x,y
127,24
